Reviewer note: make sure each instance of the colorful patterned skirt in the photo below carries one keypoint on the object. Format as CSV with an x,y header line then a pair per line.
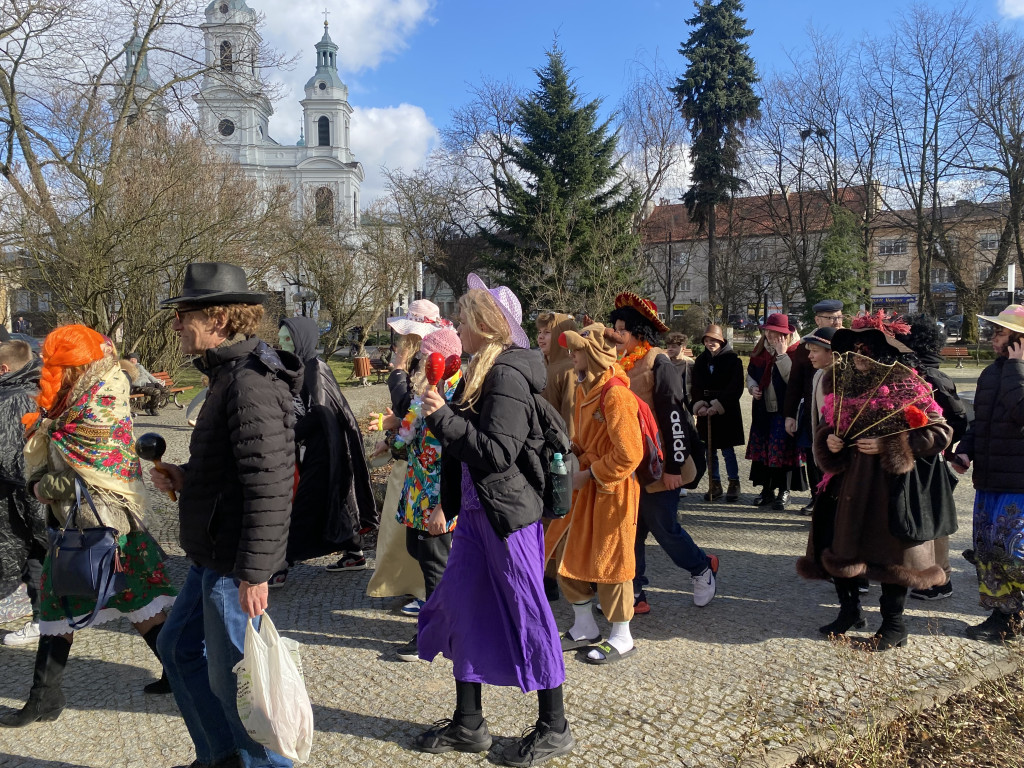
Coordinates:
x,y
999,549
148,591
774,456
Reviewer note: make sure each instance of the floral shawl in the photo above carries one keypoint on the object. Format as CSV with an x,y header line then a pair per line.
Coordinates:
x,y
93,435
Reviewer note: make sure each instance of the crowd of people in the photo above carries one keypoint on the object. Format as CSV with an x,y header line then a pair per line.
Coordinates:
x,y
468,531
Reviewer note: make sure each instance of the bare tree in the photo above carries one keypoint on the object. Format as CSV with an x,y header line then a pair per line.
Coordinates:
x,y
921,74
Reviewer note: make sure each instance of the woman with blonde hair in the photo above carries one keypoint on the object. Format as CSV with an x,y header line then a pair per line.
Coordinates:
x,y
489,614
82,437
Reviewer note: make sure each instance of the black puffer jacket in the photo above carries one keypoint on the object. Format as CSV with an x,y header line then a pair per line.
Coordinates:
x,y
236,502
500,443
22,518
995,439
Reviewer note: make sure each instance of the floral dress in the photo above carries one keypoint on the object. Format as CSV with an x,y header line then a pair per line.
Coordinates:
x,y
92,443
422,490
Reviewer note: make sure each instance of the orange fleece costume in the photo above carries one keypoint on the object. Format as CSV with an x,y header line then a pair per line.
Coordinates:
x,y
600,531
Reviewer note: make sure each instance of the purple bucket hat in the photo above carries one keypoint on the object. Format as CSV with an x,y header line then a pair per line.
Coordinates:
x,y
509,306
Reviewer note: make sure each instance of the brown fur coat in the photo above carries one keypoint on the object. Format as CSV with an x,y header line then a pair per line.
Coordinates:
x,y
850,528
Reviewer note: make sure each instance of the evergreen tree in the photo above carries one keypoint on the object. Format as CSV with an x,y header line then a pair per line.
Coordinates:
x,y
843,268
566,232
716,97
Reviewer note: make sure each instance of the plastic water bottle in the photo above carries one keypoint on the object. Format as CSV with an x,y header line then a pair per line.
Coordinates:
x,y
561,486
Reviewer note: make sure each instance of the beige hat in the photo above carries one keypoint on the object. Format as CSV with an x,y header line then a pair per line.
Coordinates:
x,y
599,348
1012,317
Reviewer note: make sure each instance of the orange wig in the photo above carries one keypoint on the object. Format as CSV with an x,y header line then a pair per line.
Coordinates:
x,y
66,347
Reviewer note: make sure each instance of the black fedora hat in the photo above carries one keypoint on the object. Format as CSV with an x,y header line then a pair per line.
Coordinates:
x,y
214,282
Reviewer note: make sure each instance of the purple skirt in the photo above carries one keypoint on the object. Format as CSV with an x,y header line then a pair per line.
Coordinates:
x,y
489,614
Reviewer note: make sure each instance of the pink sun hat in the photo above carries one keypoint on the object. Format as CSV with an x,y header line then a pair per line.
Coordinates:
x,y
509,306
423,317
1012,317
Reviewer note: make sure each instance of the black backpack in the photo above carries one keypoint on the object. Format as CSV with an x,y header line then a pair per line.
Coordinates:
x,y
556,440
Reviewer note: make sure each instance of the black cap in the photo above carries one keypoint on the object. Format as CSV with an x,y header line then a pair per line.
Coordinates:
x,y
820,336
828,305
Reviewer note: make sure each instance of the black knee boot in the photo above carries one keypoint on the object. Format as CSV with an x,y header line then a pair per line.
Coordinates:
x,y
46,699
849,616
893,632
163,685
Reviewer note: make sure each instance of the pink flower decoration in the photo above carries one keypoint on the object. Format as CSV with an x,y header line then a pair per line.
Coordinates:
x,y
883,390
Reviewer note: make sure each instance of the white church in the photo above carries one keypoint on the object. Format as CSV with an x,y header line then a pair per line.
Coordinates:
x,y
234,114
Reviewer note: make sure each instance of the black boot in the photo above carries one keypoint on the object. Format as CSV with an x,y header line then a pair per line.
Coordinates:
x,y
765,497
849,616
163,685
46,700
893,632
995,629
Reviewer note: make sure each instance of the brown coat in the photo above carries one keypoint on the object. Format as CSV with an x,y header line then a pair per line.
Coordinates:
x,y
560,389
860,543
601,528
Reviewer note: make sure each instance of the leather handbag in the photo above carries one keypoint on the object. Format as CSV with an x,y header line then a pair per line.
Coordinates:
x,y
84,562
921,505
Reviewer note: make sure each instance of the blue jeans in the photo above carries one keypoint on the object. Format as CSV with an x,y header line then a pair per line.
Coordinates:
x,y
200,643
658,515
732,468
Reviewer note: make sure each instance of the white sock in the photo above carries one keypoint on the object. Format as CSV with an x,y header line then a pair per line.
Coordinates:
x,y
620,639
585,627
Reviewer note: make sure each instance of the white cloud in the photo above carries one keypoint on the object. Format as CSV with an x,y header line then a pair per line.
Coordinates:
x,y
1013,9
366,31
396,137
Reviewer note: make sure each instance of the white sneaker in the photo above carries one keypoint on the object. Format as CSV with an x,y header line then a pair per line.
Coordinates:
x,y
705,585
24,636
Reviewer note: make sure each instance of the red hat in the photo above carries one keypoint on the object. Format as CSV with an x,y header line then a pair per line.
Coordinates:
x,y
779,322
645,307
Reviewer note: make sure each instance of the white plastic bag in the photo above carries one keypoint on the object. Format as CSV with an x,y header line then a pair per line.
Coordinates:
x,y
272,700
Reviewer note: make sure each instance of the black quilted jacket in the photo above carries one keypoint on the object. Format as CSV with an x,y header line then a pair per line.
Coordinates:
x,y
995,439
236,502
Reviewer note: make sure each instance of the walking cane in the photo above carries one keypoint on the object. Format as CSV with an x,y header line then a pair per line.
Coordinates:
x,y
710,450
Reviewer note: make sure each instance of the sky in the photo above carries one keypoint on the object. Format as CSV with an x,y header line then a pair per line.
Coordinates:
x,y
409,63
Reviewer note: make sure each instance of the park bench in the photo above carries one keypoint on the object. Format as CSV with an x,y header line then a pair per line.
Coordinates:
x,y
172,391
381,369
956,353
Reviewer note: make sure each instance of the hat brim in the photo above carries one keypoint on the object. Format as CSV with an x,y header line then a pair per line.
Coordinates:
x,y
213,299
812,339
519,337
996,320
777,329
845,339
633,301
403,326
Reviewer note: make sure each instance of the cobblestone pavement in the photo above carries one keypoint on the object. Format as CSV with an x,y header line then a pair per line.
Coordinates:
x,y
745,679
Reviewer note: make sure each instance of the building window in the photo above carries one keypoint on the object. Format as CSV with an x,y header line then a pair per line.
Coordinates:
x,y
892,276
988,241
940,276
22,301
323,132
684,285
44,301
225,56
324,198
758,252
891,248
984,273
226,127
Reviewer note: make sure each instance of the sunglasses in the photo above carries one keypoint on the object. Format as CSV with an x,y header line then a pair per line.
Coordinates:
x,y
180,313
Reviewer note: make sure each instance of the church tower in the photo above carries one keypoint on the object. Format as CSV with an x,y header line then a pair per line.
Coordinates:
x,y
143,100
234,110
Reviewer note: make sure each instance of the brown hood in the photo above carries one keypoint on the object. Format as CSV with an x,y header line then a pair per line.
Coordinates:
x,y
559,325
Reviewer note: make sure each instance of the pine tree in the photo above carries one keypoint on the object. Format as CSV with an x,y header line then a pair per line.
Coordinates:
x,y
566,232
716,97
843,269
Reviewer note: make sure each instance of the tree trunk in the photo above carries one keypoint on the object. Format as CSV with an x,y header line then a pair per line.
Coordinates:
x,y
712,288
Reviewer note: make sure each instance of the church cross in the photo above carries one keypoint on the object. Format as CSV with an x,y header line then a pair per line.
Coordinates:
x,y
326,12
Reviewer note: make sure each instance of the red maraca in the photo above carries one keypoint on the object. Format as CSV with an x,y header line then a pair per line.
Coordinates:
x,y
435,368
451,366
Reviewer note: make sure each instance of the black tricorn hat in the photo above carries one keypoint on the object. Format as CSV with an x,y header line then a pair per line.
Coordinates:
x,y
214,282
